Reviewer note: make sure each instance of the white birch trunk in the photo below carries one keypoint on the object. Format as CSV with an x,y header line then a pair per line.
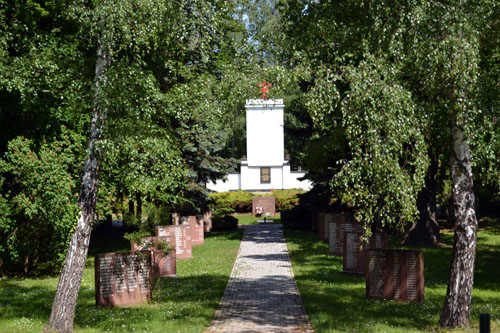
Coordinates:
x,y
456,311
63,307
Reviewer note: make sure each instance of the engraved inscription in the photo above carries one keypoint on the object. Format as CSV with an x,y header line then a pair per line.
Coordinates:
x,y
106,277
411,280
179,245
144,268
396,264
119,272
332,236
131,272
352,245
378,241
375,262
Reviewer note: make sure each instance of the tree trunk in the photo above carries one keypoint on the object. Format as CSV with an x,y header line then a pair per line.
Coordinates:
x,y
456,311
425,231
63,307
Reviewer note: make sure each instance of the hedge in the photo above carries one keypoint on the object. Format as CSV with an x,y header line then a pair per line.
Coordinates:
x,y
241,201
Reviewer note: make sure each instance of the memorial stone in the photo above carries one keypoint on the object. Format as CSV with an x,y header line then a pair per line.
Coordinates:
x,y
395,275
354,257
165,265
268,205
197,229
181,236
123,278
162,265
341,223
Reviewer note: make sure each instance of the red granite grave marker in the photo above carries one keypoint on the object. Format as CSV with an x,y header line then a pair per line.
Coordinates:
x,y
197,229
123,278
341,223
355,258
268,205
395,274
163,266
181,236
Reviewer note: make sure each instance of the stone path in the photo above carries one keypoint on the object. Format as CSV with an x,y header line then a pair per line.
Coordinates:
x,y
261,295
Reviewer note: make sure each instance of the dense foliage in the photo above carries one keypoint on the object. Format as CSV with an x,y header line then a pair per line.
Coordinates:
x,y
241,201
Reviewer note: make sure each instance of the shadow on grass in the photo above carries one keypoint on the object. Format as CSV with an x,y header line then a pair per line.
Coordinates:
x,y
335,301
181,302
186,304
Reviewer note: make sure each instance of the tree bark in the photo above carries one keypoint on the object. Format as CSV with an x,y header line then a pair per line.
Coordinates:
x,y
63,307
456,311
425,231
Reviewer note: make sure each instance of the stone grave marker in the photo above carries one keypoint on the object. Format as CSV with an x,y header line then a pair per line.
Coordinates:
x,y
355,258
341,224
395,275
268,205
162,266
181,236
197,229
122,278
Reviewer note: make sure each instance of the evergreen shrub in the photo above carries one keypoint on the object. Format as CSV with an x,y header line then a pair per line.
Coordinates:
x,y
241,201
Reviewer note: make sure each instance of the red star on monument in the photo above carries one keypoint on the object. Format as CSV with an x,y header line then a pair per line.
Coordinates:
x,y
265,88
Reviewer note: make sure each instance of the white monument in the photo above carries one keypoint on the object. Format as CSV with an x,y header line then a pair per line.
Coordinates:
x,y
265,168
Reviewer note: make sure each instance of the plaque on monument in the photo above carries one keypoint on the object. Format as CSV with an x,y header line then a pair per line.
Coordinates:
x,y
341,224
395,274
354,257
122,278
181,239
268,205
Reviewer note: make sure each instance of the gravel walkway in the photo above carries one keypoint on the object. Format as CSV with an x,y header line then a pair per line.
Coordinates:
x,y
261,295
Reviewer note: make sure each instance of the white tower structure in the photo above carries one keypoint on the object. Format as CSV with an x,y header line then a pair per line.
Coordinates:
x,y
265,168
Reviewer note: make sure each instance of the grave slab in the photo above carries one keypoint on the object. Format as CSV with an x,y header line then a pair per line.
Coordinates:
x,y
268,205
341,224
181,236
122,279
354,257
395,275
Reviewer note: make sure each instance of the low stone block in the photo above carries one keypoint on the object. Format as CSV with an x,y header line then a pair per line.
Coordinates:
x,y
123,278
341,223
181,236
354,257
268,205
197,229
395,275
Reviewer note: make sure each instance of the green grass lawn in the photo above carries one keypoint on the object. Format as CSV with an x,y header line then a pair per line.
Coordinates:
x,y
336,302
186,304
